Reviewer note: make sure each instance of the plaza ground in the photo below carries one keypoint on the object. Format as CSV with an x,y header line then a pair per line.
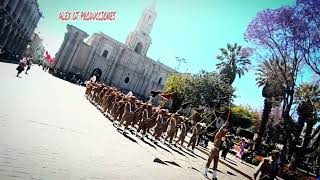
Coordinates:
x,y
49,130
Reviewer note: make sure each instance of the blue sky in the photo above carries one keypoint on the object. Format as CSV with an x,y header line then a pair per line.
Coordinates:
x,y
193,29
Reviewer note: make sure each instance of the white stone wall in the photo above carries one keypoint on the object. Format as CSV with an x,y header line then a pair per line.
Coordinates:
x,y
121,62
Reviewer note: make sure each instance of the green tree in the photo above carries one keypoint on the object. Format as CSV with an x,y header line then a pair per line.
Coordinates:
x,y
176,83
208,89
233,60
244,117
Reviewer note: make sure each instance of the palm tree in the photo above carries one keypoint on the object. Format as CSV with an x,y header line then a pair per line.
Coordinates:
x,y
273,89
233,60
308,98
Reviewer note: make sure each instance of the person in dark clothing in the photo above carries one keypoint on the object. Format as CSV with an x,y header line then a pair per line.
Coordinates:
x,y
28,64
21,66
226,145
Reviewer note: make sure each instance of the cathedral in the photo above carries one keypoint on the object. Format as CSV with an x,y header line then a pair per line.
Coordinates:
x,y
125,66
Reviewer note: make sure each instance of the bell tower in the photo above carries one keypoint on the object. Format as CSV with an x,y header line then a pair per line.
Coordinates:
x,y
139,40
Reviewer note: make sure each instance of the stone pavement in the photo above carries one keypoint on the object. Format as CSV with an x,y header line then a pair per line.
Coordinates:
x,y
50,131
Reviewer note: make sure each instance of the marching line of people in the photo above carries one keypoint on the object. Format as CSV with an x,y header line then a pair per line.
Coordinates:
x,y
154,123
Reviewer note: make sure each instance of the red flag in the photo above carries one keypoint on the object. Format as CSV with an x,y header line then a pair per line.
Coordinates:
x,y
49,58
167,96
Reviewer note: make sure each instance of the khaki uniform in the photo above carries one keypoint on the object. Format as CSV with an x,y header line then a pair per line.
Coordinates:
x,y
214,153
163,125
172,129
109,103
137,116
101,95
143,125
183,133
128,114
119,111
194,137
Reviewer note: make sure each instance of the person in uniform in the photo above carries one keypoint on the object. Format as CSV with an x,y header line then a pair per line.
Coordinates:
x,y
129,109
183,131
103,101
101,95
172,128
137,115
117,116
195,133
89,89
97,92
143,122
214,152
109,102
151,122
159,123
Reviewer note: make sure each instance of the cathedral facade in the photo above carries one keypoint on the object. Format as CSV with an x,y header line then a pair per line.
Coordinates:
x,y
123,65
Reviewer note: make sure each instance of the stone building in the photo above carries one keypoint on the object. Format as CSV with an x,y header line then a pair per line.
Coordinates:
x,y
36,49
123,65
18,20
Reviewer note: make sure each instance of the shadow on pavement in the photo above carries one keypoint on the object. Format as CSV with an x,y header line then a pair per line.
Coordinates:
x,y
157,160
188,153
163,148
173,163
130,138
199,172
148,143
247,165
177,151
231,162
230,173
200,156
210,171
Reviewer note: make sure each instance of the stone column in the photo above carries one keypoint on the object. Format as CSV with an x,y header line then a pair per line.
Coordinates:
x,y
23,14
11,38
71,50
21,44
5,35
60,60
18,9
24,45
5,2
61,49
117,58
16,44
3,21
14,6
34,25
70,63
28,21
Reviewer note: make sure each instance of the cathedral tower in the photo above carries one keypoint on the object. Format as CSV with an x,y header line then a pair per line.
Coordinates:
x,y
140,39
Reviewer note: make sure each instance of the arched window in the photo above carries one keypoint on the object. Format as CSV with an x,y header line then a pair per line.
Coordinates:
x,y
138,48
126,80
160,80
